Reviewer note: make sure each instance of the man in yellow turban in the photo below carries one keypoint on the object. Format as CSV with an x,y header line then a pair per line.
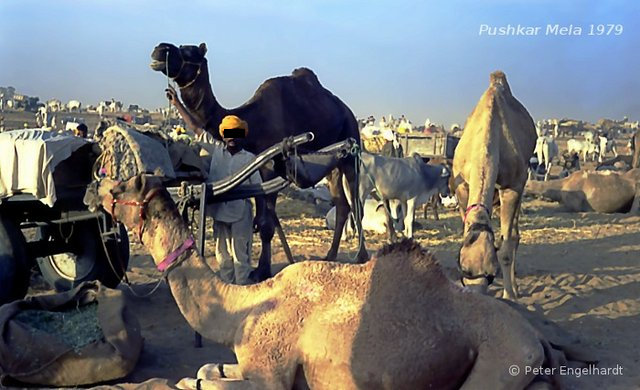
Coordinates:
x,y
233,220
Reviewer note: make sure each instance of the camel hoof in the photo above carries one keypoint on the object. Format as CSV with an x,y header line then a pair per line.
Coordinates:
x,y
363,257
210,371
186,384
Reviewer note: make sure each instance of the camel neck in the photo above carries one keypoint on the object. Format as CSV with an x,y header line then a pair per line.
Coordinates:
x,y
483,176
551,189
212,307
199,99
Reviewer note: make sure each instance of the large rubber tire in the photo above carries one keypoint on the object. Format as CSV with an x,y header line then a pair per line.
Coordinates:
x,y
87,260
14,265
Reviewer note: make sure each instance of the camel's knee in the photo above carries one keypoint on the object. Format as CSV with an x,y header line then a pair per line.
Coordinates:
x,y
267,231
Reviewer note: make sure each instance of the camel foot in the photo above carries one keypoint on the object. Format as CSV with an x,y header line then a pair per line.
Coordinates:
x,y
363,257
331,256
213,371
217,384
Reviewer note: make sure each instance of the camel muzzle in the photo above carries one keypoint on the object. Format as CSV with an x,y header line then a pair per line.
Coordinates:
x,y
157,65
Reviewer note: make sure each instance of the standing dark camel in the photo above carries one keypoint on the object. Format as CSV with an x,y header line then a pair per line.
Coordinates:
x,y
281,107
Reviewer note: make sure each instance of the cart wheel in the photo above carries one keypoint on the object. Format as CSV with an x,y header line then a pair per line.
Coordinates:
x,y
14,266
87,260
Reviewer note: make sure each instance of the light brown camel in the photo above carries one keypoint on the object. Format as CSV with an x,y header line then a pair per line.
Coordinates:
x,y
603,192
493,153
395,322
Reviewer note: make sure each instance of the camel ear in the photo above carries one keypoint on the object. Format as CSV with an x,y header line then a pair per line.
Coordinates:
x,y
138,182
203,48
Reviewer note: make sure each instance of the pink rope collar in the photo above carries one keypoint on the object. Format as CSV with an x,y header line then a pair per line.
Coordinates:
x,y
173,256
473,207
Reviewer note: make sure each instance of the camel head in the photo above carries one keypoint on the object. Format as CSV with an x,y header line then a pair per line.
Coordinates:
x,y
478,261
498,80
181,64
126,201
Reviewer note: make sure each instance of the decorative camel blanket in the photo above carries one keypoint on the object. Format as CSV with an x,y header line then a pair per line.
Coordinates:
x,y
127,152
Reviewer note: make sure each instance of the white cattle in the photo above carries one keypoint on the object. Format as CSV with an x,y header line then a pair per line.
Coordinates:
x,y
54,105
70,126
409,180
606,145
585,148
546,150
589,136
74,105
374,218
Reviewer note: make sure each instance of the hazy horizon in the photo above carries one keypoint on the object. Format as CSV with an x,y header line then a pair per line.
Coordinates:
x,y
421,59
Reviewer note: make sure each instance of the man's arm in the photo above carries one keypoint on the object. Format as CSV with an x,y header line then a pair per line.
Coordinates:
x,y
189,119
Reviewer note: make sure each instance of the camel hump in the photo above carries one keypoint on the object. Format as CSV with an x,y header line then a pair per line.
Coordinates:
x,y
307,74
407,247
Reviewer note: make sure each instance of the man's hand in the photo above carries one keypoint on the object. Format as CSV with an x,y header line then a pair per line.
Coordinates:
x,y
172,95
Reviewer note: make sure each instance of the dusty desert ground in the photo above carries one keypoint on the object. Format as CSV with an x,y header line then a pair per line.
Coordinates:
x,y
581,270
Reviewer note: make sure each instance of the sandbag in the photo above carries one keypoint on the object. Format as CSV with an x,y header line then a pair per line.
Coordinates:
x,y
79,337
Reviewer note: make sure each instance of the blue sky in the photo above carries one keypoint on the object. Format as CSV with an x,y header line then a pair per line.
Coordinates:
x,y
418,58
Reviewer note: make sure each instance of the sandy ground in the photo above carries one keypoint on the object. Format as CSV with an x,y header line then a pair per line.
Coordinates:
x,y
580,270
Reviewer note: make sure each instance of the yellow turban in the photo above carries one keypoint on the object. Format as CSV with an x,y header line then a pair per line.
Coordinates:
x,y
233,122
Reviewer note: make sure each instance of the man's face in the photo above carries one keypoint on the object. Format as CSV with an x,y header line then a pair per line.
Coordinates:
x,y
79,133
232,139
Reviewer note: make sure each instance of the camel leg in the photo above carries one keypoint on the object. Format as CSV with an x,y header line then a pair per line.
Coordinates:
x,y
339,198
509,207
462,193
267,231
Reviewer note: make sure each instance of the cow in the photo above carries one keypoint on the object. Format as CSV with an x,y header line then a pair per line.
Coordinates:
x,y
409,180
585,148
606,145
546,150
374,218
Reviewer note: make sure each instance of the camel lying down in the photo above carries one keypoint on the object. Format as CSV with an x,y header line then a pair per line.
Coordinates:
x,y
395,322
603,192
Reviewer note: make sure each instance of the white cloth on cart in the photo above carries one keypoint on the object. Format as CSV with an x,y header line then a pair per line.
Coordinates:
x,y
28,158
